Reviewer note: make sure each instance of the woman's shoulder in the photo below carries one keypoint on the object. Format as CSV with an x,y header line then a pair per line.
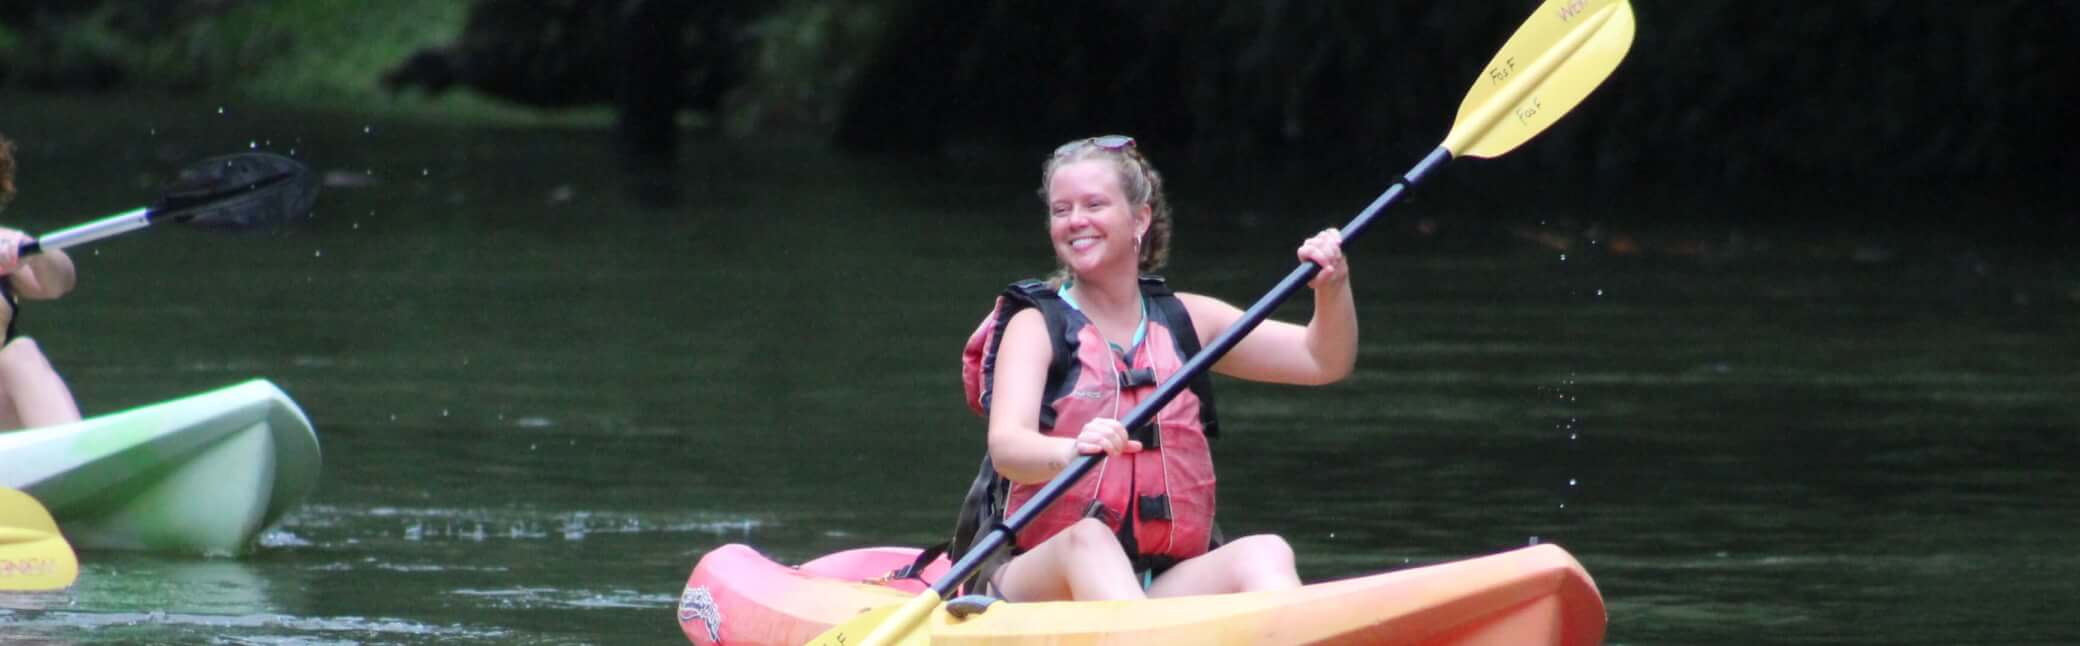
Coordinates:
x,y
1209,315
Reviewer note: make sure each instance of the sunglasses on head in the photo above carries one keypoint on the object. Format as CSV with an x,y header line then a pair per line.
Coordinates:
x,y
1107,142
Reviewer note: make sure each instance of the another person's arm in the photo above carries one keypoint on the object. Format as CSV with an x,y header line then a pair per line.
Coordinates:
x,y
44,275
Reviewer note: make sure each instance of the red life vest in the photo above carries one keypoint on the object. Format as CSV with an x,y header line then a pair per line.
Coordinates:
x,y
1159,501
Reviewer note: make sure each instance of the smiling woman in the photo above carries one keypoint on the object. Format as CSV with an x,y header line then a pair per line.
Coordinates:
x,y
1057,362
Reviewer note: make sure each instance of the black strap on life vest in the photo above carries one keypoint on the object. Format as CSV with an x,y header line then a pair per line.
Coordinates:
x,y
1179,322
981,510
1055,313
915,570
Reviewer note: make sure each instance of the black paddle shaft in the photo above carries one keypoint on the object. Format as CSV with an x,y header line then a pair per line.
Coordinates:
x,y
1146,410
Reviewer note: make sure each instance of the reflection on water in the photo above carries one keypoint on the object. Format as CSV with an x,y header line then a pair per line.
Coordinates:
x,y
161,597
128,598
541,402
478,560
184,587
164,584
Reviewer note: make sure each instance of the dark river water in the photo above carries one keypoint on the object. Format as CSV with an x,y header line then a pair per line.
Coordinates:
x,y
541,401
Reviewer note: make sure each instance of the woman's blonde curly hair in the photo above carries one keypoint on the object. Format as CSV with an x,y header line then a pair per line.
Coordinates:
x,y
1140,182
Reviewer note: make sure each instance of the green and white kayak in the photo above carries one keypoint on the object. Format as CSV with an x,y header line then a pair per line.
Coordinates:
x,y
201,474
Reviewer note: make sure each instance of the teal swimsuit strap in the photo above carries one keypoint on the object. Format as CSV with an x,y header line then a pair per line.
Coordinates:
x,y
1140,329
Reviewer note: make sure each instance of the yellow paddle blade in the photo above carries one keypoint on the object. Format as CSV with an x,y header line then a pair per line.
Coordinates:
x,y
885,626
33,555
1564,51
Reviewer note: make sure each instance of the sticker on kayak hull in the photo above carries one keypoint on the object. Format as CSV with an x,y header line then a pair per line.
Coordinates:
x,y
697,604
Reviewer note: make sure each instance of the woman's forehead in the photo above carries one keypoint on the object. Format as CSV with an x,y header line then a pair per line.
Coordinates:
x,y
1085,176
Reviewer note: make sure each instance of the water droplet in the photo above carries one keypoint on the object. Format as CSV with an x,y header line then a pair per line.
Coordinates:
x,y
425,171
1573,435
252,145
1599,292
220,109
1533,541
368,130
318,253
1570,482
1563,257
444,412
1563,505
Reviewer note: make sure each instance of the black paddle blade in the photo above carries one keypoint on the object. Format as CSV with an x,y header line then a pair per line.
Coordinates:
x,y
239,191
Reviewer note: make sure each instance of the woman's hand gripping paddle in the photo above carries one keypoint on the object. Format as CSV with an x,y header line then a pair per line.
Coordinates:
x,y
33,555
1555,59
232,192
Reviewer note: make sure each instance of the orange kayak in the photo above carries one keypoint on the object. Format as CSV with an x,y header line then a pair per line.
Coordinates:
x,y
1533,595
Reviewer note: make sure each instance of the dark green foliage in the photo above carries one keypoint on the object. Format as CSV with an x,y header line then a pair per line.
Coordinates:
x,y
1713,88
1730,89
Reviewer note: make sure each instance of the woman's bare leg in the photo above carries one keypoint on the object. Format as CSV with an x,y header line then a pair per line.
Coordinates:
x,y
35,394
1247,564
1082,563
